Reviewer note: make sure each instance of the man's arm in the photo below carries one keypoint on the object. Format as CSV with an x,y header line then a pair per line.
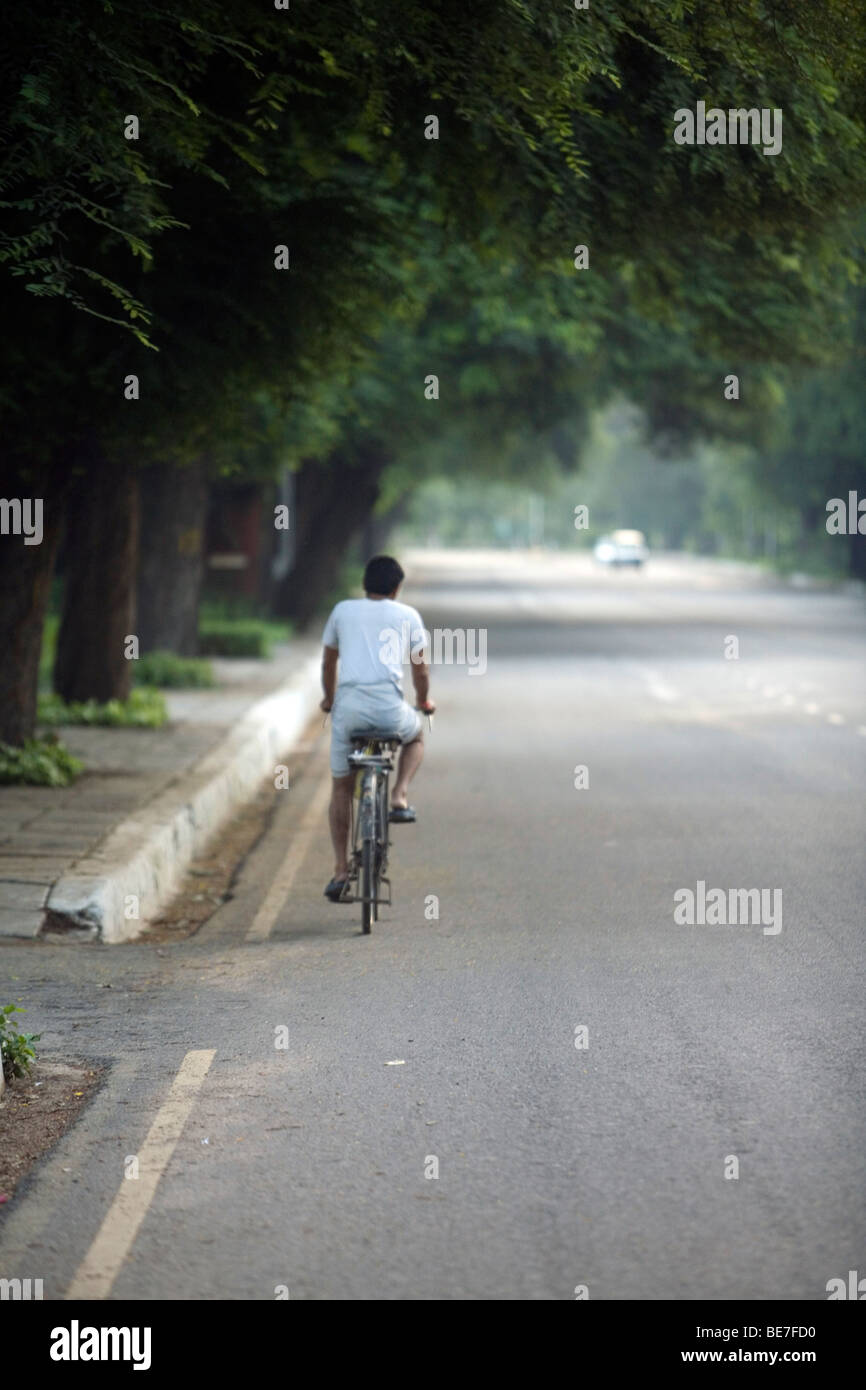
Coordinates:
x,y
329,676
419,665
421,682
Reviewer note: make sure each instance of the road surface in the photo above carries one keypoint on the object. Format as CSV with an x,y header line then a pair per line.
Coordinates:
x,y
616,1102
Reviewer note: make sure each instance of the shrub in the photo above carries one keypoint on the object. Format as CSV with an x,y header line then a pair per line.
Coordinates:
x,y
235,627
38,763
16,1049
145,708
168,670
239,636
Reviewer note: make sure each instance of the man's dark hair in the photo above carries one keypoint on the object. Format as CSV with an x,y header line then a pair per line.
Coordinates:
x,y
382,575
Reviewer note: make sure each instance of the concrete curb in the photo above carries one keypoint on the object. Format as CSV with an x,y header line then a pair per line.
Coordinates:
x,y
145,856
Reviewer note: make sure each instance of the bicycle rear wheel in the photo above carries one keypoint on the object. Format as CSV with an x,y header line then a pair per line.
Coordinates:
x,y
368,885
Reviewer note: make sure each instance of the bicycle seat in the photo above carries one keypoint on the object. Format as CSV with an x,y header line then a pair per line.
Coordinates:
x,y
375,736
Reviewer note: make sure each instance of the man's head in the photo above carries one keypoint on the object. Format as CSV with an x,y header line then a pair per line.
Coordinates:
x,y
382,576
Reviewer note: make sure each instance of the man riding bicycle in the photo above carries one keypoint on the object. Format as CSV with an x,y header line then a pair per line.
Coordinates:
x,y
371,637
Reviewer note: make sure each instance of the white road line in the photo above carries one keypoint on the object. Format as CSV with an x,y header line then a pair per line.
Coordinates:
x,y
812,708
97,1272
311,823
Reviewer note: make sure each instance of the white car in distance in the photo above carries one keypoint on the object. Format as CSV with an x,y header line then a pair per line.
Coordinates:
x,y
621,548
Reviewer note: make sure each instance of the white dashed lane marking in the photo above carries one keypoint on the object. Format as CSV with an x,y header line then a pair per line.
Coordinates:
x,y
101,1265
311,824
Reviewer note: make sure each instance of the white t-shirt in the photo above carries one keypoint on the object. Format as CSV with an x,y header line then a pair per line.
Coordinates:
x,y
376,638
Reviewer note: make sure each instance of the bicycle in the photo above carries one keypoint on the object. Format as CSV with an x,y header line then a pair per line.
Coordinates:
x,y
373,757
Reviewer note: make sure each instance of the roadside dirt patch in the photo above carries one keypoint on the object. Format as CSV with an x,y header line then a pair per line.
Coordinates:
x,y
34,1112
208,881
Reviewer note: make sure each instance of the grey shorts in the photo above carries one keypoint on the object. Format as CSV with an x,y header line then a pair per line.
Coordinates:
x,y
368,707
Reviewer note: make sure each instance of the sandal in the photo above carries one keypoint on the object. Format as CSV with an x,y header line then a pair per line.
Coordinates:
x,y
336,888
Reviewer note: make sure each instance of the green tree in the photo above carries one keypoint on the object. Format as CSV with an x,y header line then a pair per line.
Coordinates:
x,y
558,124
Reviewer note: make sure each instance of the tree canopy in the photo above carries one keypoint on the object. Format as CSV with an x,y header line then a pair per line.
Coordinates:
x,y
431,172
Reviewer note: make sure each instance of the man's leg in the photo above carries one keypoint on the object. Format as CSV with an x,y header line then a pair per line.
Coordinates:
x,y
411,756
340,817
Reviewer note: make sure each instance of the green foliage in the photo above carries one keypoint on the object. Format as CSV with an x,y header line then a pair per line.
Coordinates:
x,y
168,670
347,582
145,708
38,763
815,449
409,256
709,498
49,647
557,120
75,191
480,513
17,1052
239,636
236,627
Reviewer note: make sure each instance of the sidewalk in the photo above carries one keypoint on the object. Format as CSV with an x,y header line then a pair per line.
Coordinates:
x,y
148,798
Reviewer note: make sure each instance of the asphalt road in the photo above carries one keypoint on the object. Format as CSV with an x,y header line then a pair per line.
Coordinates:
x,y
302,1168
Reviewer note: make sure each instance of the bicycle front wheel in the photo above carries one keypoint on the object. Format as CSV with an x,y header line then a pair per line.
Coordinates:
x,y
368,885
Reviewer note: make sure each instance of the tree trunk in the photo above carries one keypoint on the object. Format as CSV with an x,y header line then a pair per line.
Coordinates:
x,y
25,586
171,557
333,500
100,553
379,525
